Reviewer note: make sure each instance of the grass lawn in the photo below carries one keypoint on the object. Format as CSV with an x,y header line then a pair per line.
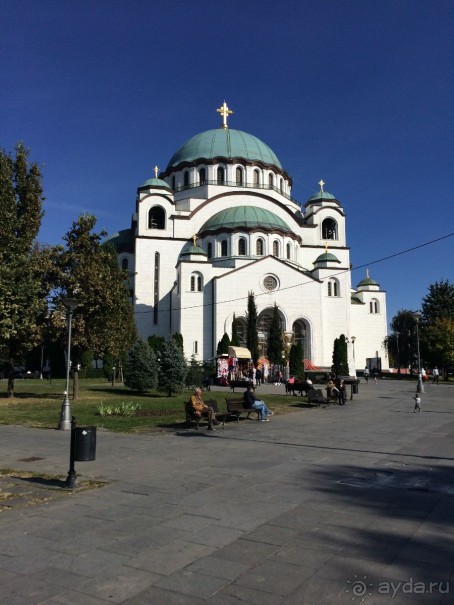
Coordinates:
x,y
37,403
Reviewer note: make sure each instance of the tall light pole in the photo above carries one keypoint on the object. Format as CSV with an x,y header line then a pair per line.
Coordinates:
x,y
420,388
353,345
70,305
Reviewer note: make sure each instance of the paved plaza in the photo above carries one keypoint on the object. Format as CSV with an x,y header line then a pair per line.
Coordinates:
x,y
329,505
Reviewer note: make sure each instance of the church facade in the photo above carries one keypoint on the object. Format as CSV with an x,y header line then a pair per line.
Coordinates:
x,y
220,222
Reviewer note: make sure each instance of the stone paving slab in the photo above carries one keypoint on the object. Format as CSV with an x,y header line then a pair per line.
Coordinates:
x,y
294,511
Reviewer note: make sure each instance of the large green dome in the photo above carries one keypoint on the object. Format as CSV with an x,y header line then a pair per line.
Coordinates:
x,y
224,143
248,217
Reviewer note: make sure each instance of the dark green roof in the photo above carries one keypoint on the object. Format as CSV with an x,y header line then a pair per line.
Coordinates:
x,y
189,248
156,183
248,217
224,143
321,195
367,281
327,257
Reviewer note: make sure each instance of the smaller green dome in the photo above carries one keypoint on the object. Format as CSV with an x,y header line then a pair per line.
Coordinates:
x,y
189,248
367,281
327,257
159,183
321,195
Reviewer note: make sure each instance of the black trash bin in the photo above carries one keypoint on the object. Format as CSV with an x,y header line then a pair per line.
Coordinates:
x,y
85,443
355,388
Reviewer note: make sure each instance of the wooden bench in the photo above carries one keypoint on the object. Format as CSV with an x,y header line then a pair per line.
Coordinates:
x,y
298,387
191,415
316,397
240,384
235,407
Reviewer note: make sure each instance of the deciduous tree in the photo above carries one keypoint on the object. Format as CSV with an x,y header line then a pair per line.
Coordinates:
x,y
22,292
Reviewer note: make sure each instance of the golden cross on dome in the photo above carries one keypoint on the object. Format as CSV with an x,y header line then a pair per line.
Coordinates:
x,y
326,247
156,172
225,112
321,183
194,239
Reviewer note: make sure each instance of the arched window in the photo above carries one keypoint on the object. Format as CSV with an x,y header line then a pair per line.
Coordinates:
x,y
239,325
374,307
239,176
256,178
202,176
259,247
281,185
333,287
224,247
186,179
275,248
263,329
271,180
157,276
221,175
329,229
210,250
124,264
156,218
288,251
241,246
196,282
301,335
173,183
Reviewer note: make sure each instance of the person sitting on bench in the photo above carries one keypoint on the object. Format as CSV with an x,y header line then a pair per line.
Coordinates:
x,y
252,403
200,409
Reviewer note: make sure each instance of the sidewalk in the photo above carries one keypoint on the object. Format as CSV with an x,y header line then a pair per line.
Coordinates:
x,y
329,505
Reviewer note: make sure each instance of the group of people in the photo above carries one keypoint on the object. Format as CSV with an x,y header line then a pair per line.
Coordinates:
x,y
375,374
336,390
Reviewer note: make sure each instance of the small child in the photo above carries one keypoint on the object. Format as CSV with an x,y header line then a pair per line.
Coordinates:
x,y
417,399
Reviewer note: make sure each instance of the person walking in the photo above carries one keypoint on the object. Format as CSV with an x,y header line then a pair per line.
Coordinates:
x,y
375,374
366,374
436,375
417,398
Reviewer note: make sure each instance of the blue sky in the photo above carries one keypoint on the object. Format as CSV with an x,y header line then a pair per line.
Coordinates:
x,y
356,92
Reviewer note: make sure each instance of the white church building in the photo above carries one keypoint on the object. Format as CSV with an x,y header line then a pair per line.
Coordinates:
x,y
220,222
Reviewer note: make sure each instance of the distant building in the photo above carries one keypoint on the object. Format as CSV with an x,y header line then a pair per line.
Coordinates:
x,y
220,222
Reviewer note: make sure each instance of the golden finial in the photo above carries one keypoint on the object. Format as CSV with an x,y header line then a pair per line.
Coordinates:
x,y
321,183
156,172
326,247
225,112
194,239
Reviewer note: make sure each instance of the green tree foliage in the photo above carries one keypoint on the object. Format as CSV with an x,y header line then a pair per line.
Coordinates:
x,y
155,343
178,338
401,343
172,368
438,303
275,340
223,345
22,291
340,356
88,271
235,342
437,325
296,363
195,373
140,370
252,337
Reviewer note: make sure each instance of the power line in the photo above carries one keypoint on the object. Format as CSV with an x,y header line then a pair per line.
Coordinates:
x,y
368,264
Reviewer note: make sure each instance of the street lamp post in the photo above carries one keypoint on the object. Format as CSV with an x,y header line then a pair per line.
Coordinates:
x,y
398,355
70,305
353,345
420,388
